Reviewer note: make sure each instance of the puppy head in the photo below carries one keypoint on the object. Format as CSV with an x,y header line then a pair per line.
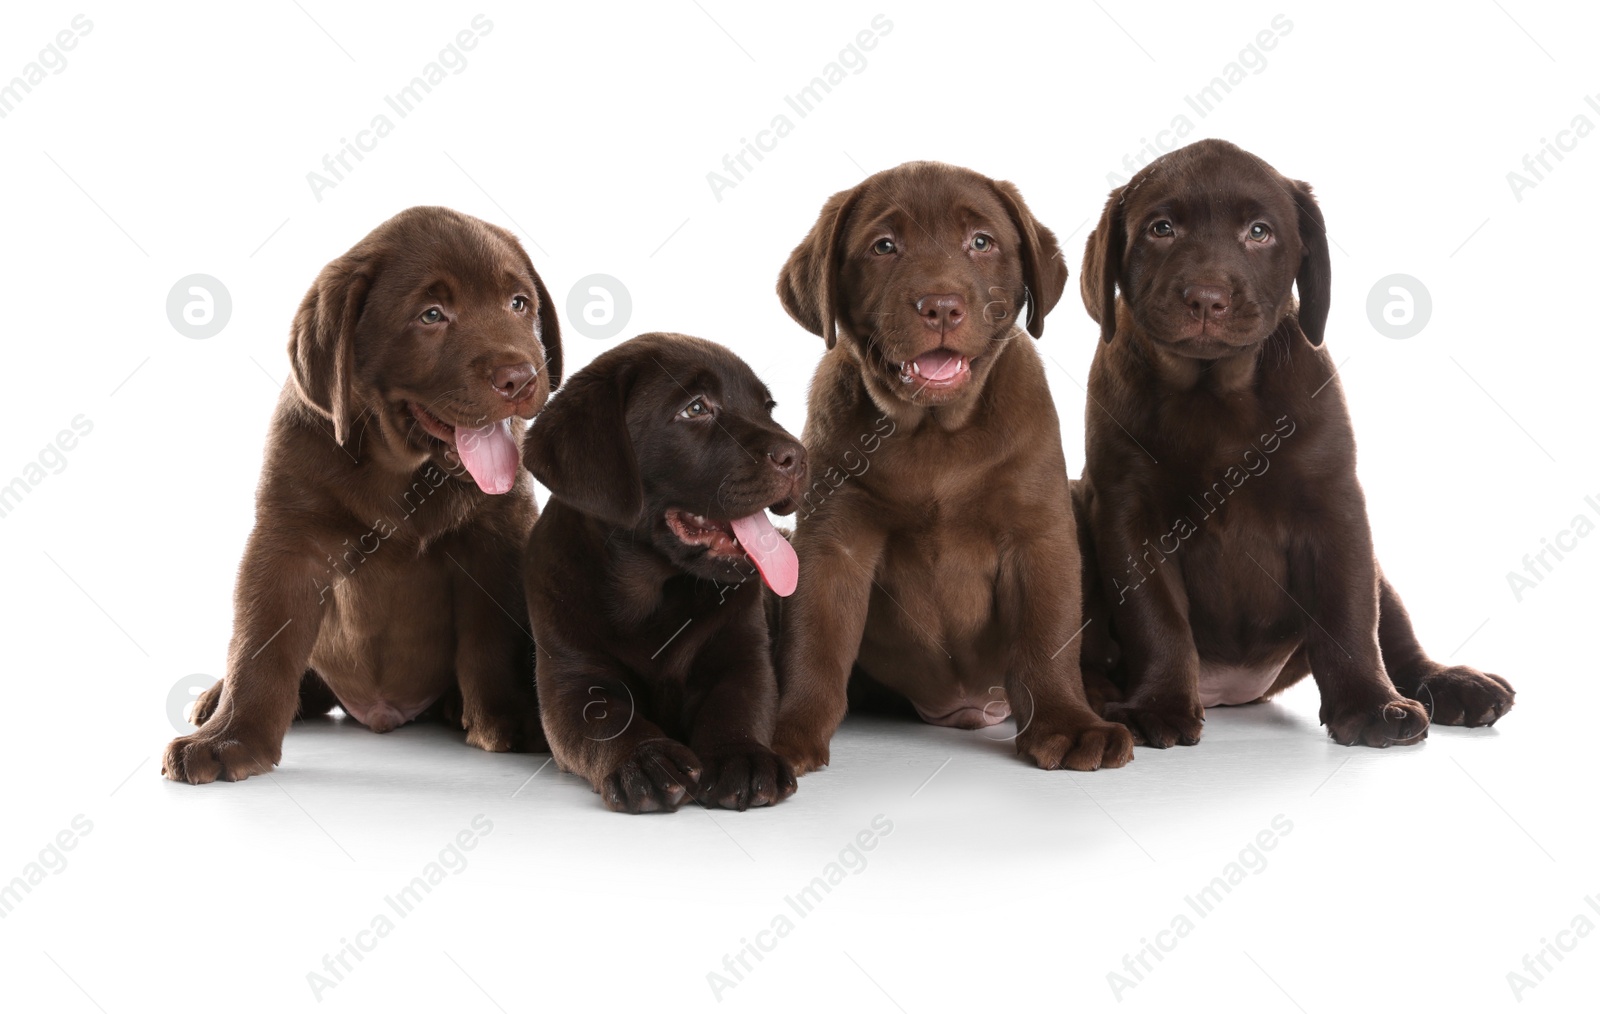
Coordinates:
x,y
671,438
924,270
438,331
1206,245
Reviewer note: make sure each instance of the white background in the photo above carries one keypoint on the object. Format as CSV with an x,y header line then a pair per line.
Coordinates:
x,y
179,141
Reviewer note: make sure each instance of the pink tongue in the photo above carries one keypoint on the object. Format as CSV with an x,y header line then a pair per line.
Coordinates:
x,y
940,364
490,455
770,552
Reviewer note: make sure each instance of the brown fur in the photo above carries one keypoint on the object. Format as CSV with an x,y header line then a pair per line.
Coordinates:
x,y
377,569
1225,533
654,667
934,556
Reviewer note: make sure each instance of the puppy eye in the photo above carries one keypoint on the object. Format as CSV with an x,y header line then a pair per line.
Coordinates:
x,y
432,315
771,404
884,247
519,303
697,409
1162,229
1260,232
982,243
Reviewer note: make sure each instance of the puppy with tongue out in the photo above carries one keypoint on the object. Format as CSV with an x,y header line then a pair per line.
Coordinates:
x,y
648,571
391,510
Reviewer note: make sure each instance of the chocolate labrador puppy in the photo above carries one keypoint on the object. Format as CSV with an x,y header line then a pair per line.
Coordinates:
x,y
654,668
381,574
1220,493
938,561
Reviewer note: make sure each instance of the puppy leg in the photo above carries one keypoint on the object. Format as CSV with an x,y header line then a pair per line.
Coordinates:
x,y
1041,602
1159,658
1337,581
315,699
494,650
732,723
822,626
1453,695
594,716
277,614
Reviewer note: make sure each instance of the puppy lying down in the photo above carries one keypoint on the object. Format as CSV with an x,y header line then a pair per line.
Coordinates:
x,y
644,575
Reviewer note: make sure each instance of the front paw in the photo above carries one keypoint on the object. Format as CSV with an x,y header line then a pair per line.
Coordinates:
x,y
1399,721
743,775
657,775
1461,695
521,733
1160,723
805,752
1085,746
202,757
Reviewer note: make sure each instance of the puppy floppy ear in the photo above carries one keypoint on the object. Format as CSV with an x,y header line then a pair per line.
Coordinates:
x,y
549,314
808,285
1102,266
1315,279
1044,270
322,342
580,448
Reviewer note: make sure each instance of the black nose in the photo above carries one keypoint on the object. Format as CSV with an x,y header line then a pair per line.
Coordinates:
x,y
1206,300
788,458
511,382
942,311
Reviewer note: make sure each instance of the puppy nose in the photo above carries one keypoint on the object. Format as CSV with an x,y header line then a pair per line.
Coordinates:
x,y
1206,300
788,458
512,381
942,312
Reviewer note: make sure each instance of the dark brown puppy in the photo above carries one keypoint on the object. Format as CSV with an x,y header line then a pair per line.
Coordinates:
x,y
936,558
391,512
1220,490
655,672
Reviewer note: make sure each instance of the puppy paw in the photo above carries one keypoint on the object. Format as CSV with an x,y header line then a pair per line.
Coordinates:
x,y
1160,724
658,775
205,704
507,734
1396,722
1076,747
743,775
202,757
1461,695
804,753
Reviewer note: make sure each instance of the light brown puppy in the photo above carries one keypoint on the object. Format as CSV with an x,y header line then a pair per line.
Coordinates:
x,y
936,556
383,571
